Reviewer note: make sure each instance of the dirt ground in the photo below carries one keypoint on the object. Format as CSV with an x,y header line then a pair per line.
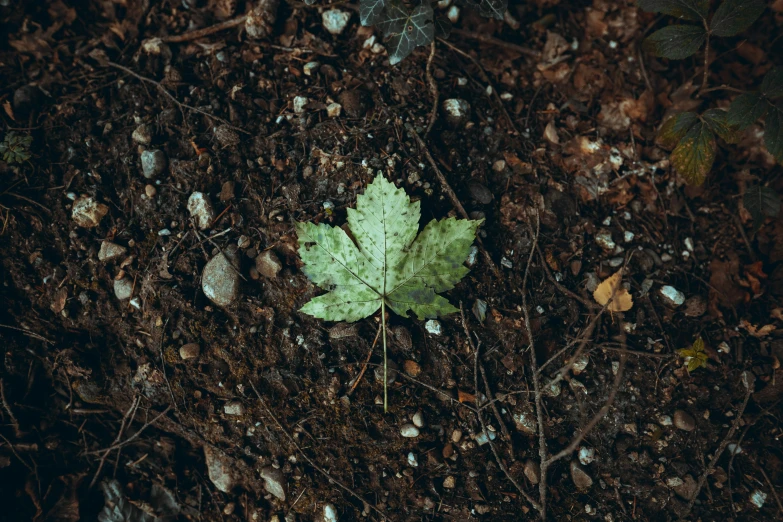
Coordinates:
x,y
127,392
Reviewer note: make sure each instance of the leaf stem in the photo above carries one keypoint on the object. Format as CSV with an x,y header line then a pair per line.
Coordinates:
x,y
706,60
383,327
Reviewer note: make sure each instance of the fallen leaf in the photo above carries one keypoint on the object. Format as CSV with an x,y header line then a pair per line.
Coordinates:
x,y
465,397
611,288
756,331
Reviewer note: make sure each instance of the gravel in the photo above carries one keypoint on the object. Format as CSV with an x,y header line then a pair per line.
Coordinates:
x,y
153,163
201,210
274,481
418,419
110,251
234,408
684,421
219,469
87,212
189,351
581,479
671,296
335,20
433,327
268,265
456,111
409,431
123,288
220,279
142,135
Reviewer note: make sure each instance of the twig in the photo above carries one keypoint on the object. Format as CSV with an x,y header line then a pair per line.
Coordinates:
x,y
499,461
366,363
11,447
7,408
494,406
596,418
772,489
706,59
165,91
542,450
205,31
569,293
310,461
163,364
28,333
496,42
134,405
433,89
747,381
452,196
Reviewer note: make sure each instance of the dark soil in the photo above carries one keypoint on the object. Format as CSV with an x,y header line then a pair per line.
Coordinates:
x,y
561,130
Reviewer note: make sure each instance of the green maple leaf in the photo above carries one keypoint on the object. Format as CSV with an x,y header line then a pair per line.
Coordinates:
x,y
388,264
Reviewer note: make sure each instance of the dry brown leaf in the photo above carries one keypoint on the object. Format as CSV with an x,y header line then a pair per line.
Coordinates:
x,y
611,287
757,331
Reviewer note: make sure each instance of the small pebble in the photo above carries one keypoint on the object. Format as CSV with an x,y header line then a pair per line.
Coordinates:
x,y
268,265
333,110
456,111
418,419
335,20
505,262
412,368
142,135
274,481
189,351
153,163
586,455
532,471
758,498
201,210
684,421
110,251
605,241
299,104
433,327
671,296
311,67
409,431
499,166
581,479
449,482
150,191
525,422
665,420
123,288
220,280
580,364
412,460
87,212
329,514
233,408
628,236
453,14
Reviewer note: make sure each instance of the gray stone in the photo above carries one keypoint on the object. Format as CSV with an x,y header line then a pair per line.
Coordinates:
x,y
456,111
532,471
189,351
274,481
234,408
480,193
684,421
123,288
409,431
299,104
671,296
110,251
142,135
153,163
687,488
433,327
219,468
201,210
268,265
87,212
581,479
220,279
335,20
418,419
329,514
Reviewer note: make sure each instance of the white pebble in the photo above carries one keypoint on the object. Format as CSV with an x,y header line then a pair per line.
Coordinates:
x,y
758,498
586,455
412,460
672,296
418,419
335,20
433,327
409,431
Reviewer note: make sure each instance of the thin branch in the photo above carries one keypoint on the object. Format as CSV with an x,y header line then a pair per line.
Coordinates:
x,y
315,466
7,408
433,89
366,363
747,381
499,461
205,31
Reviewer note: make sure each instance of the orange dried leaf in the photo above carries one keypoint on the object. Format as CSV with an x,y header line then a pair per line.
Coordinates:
x,y
465,397
611,288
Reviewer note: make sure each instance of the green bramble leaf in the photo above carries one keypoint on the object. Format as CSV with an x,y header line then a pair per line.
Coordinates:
x,y
761,202
407,30
773,131
694,155
15,148
734,16
388,263
675,41
675,128
716,120
772,84
695,356
694,10
746,109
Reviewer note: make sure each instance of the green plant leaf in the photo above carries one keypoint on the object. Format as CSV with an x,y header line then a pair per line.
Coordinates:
x,y
694,155
761,202
717,122
695,356
675,41
675,128
746,109
387,261
773,131
407,30
734,16
371,11
684,9
489,8
772,84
